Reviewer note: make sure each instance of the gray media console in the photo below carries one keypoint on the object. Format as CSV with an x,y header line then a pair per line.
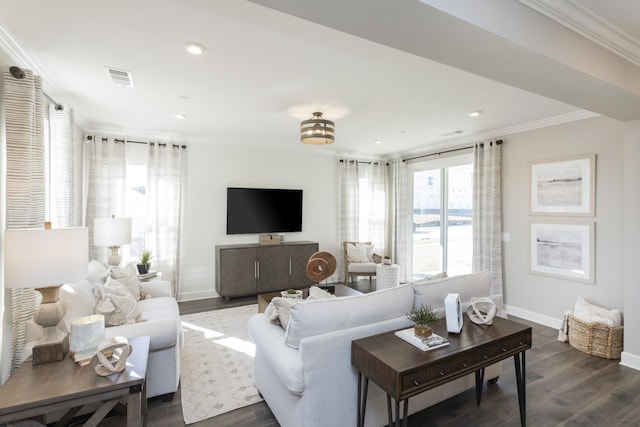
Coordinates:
x,y
251,269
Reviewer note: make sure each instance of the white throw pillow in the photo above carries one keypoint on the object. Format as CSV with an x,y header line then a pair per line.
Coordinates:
x,y
318,293
115,295
282,310
592,313
97,272
358,252
128,276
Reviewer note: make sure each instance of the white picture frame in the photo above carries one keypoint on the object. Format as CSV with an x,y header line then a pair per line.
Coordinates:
x,y
564,250
564,186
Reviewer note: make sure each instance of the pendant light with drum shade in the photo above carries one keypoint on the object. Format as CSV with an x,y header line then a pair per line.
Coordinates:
x,y
317,130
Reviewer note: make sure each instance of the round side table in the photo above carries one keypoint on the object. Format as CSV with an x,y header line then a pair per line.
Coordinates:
x,y
387,276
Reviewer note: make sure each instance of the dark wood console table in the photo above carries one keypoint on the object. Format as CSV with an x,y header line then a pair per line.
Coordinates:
x,y
403,370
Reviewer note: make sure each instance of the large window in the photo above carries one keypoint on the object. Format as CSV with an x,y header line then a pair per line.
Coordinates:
x,y
442,201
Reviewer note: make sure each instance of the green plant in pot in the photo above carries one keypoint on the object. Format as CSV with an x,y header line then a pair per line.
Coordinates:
x,y
424,317
145,262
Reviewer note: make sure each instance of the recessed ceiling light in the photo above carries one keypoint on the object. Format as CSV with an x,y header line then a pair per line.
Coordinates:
x,y
475,113
378,141
180,116
194,48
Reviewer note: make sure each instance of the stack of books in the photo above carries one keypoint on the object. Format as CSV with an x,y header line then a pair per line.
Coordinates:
x,y
424,344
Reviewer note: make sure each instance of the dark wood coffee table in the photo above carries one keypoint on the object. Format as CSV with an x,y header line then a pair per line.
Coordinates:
x,y
36,390
403,370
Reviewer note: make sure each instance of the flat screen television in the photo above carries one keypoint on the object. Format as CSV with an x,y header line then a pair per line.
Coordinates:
x,y
263,210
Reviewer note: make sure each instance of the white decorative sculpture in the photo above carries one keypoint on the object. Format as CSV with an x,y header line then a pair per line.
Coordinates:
x,y
111,356
481,310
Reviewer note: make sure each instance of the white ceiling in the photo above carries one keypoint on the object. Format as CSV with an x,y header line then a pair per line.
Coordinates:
x,y
265,70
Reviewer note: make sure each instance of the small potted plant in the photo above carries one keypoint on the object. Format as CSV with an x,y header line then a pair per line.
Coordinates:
x,y
424,317
145,262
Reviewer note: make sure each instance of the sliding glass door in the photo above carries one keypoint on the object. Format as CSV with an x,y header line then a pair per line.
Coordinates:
x,y
442,201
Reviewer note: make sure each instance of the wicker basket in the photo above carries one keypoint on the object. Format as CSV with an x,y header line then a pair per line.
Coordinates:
x,y
597,339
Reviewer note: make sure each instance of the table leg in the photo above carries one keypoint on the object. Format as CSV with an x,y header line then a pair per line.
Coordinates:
x,y
362,398
519,360
405,419
389,410
134,407
479,384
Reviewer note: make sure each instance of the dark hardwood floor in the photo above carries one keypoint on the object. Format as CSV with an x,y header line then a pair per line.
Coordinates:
x,y
565,387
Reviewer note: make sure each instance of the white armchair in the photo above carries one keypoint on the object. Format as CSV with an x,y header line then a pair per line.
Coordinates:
x,y
359,260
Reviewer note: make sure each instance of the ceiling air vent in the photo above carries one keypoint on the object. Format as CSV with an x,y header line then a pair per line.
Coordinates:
x,y
120,77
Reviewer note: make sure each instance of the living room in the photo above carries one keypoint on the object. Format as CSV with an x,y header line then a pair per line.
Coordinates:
x,y
600,124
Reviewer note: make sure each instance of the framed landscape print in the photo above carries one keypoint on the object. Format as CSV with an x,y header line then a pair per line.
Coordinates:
x,y
564,250
564,186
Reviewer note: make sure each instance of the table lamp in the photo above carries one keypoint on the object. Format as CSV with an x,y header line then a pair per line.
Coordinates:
x,y
44,260
112,232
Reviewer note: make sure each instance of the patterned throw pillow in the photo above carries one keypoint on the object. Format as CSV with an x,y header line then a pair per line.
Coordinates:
x,y
128,275
116,303
358,252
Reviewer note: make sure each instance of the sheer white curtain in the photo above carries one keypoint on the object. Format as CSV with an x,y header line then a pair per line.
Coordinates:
x,y
349,190
61,170
164,195
487,211
363,203
399,216
107,187
25,183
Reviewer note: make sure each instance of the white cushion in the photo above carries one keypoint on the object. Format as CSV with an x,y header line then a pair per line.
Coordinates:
x,y
592,313
321,316
359,252
317,293
362,267
433,292
97,272
128,276
118,294
79,300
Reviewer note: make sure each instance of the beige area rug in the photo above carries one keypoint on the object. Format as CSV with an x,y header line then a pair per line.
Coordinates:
x,y
216,371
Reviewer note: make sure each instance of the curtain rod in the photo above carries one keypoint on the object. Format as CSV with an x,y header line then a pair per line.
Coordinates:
x,y
18,73
128,141
498,142
362,161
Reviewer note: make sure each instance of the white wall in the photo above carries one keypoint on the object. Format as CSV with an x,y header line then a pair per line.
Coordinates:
x,y
211,169
631,246
545,299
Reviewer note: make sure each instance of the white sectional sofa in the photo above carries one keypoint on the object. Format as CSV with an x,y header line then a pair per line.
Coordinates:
x,y
304,372
159,318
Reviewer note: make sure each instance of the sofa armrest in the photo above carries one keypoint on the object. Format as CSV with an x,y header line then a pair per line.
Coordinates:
x,y
163,333
156,288
285,361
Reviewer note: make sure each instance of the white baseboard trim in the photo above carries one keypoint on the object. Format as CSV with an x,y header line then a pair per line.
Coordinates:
x,y
630,360
549,321
627,359
191,296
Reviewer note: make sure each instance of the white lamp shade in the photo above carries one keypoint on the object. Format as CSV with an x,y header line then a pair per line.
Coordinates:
x,y
111,231
41,258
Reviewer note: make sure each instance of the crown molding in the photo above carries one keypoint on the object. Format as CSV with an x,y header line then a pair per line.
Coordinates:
x,y
576,17
499,133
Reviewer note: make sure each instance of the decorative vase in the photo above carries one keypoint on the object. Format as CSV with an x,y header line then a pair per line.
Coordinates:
x,y
423,331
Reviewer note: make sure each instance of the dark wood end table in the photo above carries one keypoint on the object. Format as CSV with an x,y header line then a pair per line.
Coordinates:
x,y
36,390
403,370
